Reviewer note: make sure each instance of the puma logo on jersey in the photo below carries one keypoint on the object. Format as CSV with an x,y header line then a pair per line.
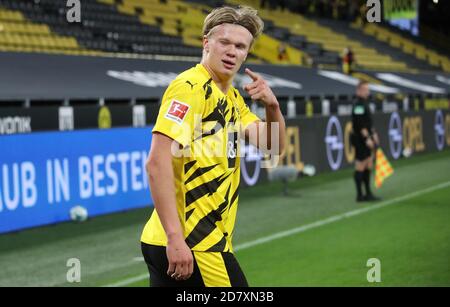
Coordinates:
x,y
177,111
192,85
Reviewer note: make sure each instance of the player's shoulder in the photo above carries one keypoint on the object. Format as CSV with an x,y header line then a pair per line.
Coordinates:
x,y
190,80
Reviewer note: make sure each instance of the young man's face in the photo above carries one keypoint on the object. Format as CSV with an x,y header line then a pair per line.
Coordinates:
x,y
226,49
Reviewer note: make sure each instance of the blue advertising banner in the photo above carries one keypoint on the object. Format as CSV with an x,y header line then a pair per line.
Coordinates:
x,y
44,175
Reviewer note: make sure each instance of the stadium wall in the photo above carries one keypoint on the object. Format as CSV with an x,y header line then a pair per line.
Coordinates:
x,y
31,76
91,114
44,174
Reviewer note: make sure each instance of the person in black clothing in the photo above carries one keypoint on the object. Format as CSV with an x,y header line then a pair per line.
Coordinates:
x,y
348,61
364,139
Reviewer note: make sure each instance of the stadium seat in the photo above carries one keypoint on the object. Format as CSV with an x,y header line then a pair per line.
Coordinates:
x,y
406,45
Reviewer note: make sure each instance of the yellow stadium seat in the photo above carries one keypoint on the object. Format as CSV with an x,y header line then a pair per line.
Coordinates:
x,y
19,34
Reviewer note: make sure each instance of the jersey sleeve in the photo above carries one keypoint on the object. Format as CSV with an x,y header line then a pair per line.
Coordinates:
x,y
247,117
180,108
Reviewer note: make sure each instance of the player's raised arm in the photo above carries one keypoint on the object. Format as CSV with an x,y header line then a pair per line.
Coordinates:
x,y
262,134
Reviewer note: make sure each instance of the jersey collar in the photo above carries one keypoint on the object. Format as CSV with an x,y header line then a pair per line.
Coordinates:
x,y
206,74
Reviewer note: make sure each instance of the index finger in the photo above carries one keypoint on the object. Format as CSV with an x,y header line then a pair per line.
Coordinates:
x,y
251,74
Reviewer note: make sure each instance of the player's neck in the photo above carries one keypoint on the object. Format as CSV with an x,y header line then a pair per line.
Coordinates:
x,y
223,85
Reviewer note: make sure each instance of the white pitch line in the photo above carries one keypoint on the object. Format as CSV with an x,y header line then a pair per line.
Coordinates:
x,y
304,228
338,217
128,281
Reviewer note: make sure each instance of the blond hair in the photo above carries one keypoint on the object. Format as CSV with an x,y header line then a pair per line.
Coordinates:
x,y
244,16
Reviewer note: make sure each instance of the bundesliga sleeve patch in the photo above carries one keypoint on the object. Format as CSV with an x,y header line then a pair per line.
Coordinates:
x,y
177,111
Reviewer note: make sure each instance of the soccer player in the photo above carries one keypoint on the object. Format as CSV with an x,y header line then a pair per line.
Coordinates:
x,y
193,165
364,139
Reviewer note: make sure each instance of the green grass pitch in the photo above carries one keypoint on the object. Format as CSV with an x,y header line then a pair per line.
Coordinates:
x,y
304,239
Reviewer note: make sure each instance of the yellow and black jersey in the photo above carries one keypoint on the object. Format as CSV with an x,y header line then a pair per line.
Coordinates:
x,y
207,123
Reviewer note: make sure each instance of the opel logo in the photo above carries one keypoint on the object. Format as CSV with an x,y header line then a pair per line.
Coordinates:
x,y
334,143
251,155
439,129
395,135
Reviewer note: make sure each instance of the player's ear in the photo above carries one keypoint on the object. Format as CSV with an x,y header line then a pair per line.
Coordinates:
x,y
205,43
